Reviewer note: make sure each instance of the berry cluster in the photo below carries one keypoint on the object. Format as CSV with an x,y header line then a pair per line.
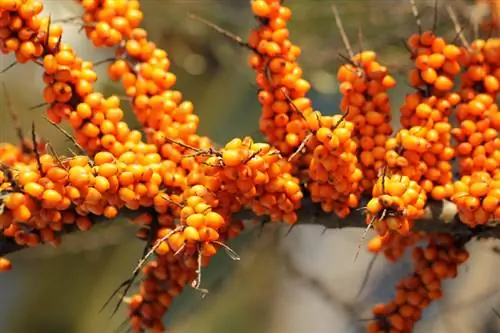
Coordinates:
x,y
478,198
254,174
397,201
285,106
107,23
425,139
333,168
438,261
364,84
478,116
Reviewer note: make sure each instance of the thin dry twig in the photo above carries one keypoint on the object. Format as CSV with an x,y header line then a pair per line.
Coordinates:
x,y
66,134
13,114
35,148
222,31
458,27
416,14
367,274
343,34
9,67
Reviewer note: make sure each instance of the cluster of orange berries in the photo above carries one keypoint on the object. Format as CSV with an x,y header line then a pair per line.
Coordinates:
x,y
478,116
393,244
243,174
426,140
478,198
255,175
143,69
364,84
333,169
43,196
285,106
107,23
397,201
438,261
478,144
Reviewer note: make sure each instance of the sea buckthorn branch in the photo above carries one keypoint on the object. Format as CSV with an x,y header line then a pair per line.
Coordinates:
x,y
190,197
9,246
438,217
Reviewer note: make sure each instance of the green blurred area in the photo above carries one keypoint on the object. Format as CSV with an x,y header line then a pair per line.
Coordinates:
x,y
62,290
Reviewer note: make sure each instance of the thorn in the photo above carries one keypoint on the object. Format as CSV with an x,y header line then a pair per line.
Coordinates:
x,y
361,39
153,249
38,106
416,14
230,252
435,17
49,24
290,229
8,67
53,153
367,274
342,31
66,134
363,236
68,19
127,284
13,116
35,148
103,61
222,31
301,147
458,27
344,116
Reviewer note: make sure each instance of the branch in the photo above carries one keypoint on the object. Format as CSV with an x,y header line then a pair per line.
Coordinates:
x,y
8,245
439,217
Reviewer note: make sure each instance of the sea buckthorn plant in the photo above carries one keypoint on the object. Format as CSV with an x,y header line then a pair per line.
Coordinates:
x,y
189,196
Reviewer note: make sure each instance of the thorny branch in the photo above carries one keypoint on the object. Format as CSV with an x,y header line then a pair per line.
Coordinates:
x,y
439,217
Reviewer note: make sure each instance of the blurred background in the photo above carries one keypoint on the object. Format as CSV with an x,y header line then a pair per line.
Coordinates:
x,y
303,281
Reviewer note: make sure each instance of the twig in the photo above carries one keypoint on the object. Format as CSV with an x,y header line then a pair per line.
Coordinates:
x,y
66,134
416,14
317,286
458,27
8,67
127,284
222,31
340,26
367,274
363,236
301,146
35,148
13,115
435,18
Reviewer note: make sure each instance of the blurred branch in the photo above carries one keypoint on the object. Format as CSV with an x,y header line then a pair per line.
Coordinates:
x,y
317,286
